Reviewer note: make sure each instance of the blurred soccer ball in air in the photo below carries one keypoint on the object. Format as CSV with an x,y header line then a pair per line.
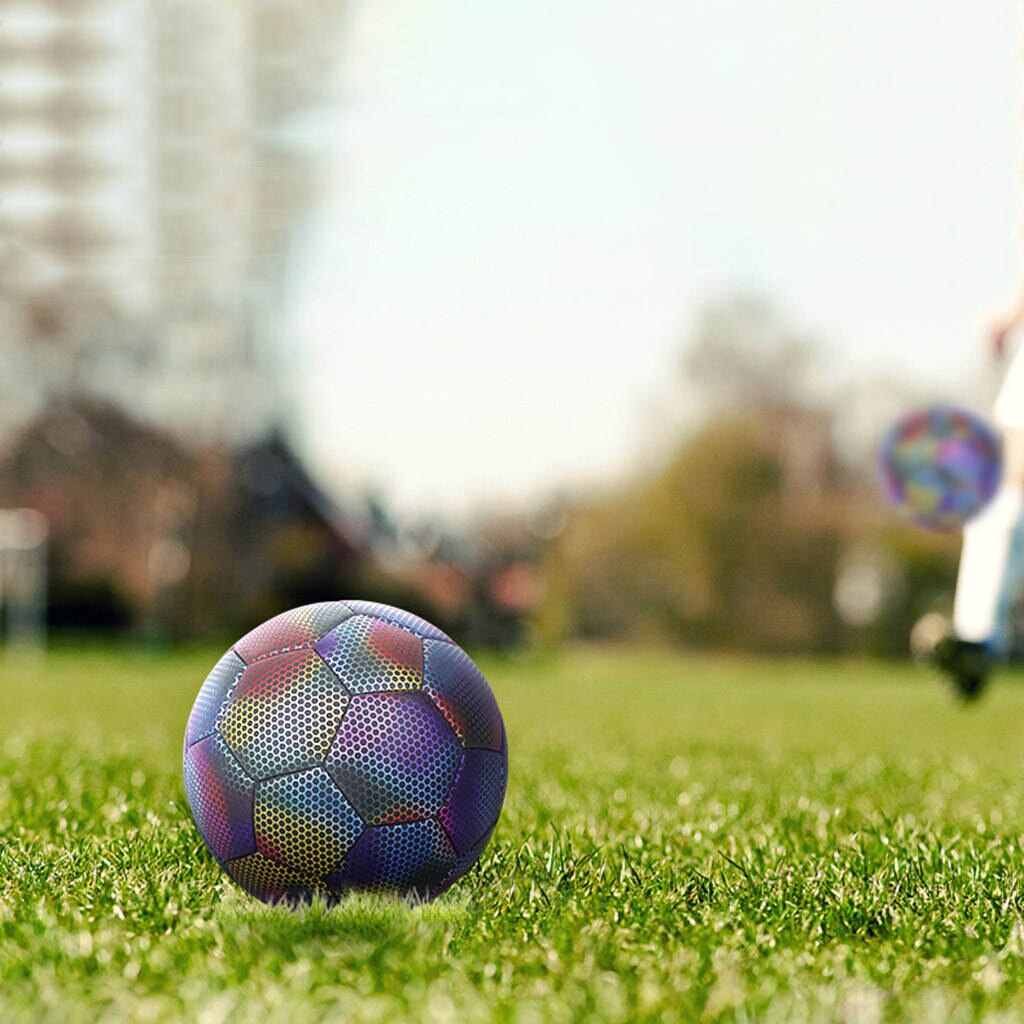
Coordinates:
x,y
345,746
940,466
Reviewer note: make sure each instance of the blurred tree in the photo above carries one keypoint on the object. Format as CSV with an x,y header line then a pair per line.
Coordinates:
x,y
712,549
744,352
738,538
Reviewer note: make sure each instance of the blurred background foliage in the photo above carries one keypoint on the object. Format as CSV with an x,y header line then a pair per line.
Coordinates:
x,y
756,532
749,528
752,531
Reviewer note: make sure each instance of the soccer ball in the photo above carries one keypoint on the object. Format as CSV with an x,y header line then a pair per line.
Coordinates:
x,y
940,466
345,746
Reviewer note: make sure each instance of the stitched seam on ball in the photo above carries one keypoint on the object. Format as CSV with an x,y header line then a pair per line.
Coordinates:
x,y
448,840
330,671
448,834
341,717
490,750
337,785
401,625
282,650
216,719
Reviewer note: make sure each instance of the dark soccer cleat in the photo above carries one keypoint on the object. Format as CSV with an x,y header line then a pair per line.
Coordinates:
x,y
965,664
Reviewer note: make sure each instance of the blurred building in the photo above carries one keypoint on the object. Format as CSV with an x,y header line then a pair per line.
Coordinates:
x,y
156,158
147,534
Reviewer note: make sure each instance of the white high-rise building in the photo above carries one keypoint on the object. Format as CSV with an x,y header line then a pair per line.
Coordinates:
x,y
155,160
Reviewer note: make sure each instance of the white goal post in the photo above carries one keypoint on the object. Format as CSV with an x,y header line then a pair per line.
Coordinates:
x,y
23,533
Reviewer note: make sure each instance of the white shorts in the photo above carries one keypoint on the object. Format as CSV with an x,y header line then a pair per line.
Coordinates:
x,y
1009,408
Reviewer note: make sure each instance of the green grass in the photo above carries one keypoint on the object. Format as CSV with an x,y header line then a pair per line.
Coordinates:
x,y
683,839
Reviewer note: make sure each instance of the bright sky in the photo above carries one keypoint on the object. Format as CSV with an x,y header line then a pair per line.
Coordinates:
x,y
531,201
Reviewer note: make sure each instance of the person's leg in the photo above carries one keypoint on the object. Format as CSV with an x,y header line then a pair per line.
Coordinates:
x,y
1013,565
991,562
991,573
992,559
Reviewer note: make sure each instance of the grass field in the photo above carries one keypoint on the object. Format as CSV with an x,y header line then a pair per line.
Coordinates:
x,y
682,840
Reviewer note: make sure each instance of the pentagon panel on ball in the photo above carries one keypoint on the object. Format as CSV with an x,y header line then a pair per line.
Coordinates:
x,y
282,713
369,654
304,822
345,746
395,756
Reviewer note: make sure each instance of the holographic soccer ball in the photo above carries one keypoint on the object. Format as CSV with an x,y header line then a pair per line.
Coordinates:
x,y
940,466
345,746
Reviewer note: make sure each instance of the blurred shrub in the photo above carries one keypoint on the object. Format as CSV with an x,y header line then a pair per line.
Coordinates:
x,y
739,538
713,549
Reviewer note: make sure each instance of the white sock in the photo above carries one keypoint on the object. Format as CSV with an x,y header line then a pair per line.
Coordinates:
x,y
991,567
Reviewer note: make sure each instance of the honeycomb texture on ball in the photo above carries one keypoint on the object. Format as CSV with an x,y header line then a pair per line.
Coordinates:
x,y
345,745
405,619
458,688
474,801
410,859
272,882
291,630
304,822
369,654
220,795
211,697
394,757
283,713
